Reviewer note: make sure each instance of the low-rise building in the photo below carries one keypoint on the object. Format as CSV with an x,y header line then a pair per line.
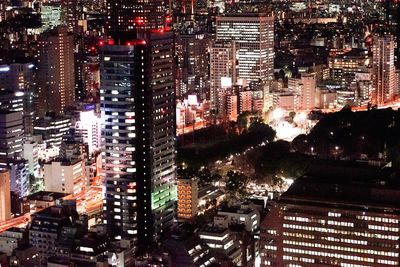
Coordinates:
x,y
11,239
222,241
43,199
243,214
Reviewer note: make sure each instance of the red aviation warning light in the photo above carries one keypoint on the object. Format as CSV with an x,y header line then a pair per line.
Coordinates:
x,y
139,21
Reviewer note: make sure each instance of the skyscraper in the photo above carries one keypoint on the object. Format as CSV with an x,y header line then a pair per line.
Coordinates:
x,y
138,112
253,34
17,90
223,72
56,71
383,69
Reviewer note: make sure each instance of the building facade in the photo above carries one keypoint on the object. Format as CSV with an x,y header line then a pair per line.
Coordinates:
x,y
383,69
253,34
335,221
56,78
5,196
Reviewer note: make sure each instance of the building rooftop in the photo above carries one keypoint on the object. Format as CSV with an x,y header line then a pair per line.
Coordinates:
x,y
46,196
213,229
358,192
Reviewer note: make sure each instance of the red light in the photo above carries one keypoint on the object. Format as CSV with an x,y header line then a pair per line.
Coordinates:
x,y
128,43
93,48
143,42
168,19
101,43
139,21
111,41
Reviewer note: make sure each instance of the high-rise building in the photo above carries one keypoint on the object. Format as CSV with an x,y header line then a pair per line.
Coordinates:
x,y
11,135
245,101
305,88
70,14
253,34
52,130
188,191
192,70
87,128
50,15
383,69
326,221
55,71
17,91
138,112
223,72
130,16
5,196
231,107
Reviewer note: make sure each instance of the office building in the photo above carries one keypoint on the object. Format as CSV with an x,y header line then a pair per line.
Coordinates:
x,y
17,84
19,176
70,14
188,191
11,239
222,240
188,250
138,132
347,62
44,199
5,197
50,15
305,88
245,101
11,135
383,69
333,221
88,128
136,16
52,129
31,154
65,176
223,72
193,68
138,112
231,108
56,79
253,34
244,215
46,227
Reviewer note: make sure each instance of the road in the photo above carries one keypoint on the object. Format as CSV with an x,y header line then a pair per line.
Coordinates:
x,y
198,125
89,202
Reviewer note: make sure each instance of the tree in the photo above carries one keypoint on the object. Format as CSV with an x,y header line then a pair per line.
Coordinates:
x,y
242,121
236,183
205,176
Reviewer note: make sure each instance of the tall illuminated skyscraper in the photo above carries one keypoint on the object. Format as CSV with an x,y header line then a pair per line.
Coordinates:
x,y
138,113
253,34
56,77
383,69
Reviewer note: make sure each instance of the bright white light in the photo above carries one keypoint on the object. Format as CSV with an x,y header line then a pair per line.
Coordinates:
x,y
226,82
192,100
289,181
4,68
300,117
277,114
